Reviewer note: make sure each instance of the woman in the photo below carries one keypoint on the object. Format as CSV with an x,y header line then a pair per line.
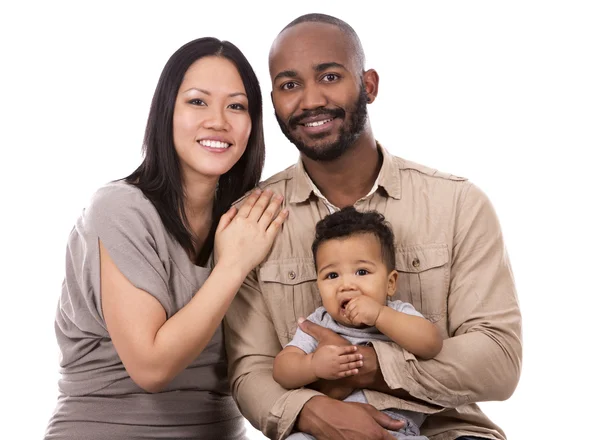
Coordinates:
x,y
139,319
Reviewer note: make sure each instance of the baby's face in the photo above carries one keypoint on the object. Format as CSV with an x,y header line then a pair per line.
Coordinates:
x,y
349,267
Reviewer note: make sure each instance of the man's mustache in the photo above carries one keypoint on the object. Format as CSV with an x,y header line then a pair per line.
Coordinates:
x,y
331,113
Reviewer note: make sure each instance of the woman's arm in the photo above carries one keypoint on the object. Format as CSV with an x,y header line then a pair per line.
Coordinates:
x,y
153,349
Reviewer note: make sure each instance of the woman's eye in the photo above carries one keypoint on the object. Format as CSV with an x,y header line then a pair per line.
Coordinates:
x,y
197,102
237,107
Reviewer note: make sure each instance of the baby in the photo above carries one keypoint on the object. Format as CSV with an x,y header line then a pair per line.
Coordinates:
x,y
355,259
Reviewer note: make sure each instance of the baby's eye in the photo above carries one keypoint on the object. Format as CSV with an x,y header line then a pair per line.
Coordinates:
x,y
331,276
362,272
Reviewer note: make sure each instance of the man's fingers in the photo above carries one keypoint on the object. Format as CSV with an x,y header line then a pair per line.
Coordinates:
x,y
315,330
386,421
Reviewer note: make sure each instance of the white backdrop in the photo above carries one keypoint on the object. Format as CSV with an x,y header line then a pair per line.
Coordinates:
x,y
505,93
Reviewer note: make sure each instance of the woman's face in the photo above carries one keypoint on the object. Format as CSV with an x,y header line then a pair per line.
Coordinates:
x,y
211,123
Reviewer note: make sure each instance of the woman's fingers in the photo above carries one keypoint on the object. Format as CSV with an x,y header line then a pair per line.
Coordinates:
x,y
249,203
270,212
261,204
226,218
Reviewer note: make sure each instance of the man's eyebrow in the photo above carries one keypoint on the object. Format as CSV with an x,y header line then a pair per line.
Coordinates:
x,y
286,74
324,66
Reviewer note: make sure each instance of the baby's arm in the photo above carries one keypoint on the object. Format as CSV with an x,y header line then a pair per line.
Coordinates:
x,y
293,368
413,333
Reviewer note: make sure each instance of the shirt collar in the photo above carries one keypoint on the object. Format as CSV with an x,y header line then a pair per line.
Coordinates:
x,y
388,179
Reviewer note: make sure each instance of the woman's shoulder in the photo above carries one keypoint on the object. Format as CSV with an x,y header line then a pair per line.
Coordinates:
x,y
119,194
120,201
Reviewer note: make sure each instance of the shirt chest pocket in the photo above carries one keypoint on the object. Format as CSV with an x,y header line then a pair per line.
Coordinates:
x,y
423,277
290,290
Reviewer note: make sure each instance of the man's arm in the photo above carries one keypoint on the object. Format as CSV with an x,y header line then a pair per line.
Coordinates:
x,y
481,361
252,344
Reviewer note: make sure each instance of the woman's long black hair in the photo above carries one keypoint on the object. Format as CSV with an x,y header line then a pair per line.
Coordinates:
x,y
159,175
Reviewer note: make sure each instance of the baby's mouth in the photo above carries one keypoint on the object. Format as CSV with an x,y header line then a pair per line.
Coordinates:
x,y
344,304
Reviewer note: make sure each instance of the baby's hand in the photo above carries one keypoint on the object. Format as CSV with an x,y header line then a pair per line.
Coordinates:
x,y
334,362
363,310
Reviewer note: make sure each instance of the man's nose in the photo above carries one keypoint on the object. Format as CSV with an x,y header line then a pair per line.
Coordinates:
x,y
312,97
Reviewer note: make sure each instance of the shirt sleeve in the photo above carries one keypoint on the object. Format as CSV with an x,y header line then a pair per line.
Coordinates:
x,y
404,307
481,360
252,344
130,229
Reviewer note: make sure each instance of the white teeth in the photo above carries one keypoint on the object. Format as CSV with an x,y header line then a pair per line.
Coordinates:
x,y
318,123
214,144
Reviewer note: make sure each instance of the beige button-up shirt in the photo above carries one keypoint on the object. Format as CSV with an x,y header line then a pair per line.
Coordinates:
x,y
452,267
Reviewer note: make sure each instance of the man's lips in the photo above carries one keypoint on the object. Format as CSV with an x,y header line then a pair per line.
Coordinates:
x,y
308,119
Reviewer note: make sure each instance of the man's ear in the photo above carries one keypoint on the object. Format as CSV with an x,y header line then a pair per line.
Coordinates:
x,y
371,82
391,286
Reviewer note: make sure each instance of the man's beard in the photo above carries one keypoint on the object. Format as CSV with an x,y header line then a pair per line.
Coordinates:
x,y
346,137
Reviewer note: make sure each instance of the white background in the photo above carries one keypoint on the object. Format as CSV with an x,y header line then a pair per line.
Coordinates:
x,y
504,93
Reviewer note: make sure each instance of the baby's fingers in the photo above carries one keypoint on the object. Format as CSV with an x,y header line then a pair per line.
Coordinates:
x,y
349,358
347,373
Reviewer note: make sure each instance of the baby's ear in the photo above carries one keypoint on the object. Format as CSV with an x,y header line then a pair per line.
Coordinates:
x,y
392,279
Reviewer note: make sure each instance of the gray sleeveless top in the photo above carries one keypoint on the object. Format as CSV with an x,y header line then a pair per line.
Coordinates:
x,y
98,399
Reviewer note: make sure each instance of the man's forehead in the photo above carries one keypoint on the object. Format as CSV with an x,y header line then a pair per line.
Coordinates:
x,y
313,44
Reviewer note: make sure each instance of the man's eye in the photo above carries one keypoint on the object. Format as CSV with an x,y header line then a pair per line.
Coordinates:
x,y
288,86
330,77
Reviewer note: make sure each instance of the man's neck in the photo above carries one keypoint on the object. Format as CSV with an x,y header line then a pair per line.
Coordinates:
x,y
350,177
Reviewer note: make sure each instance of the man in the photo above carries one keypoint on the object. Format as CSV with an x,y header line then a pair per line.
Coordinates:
x,y
451,261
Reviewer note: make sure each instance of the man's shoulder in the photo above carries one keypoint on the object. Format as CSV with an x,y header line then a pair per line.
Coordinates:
x,y
276,182
425,171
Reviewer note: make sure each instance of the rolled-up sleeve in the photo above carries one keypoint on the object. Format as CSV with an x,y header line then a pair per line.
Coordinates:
x,y
481,360
252,345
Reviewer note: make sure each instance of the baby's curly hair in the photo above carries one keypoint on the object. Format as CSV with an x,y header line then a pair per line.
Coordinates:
x,y
348,222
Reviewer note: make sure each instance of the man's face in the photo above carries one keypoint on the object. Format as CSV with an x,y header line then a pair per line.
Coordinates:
x,y
319,98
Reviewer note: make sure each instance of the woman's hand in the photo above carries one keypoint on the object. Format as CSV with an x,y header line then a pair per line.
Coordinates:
x,y
243,238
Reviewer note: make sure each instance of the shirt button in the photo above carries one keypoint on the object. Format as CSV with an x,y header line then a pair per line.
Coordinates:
x,y
416,263
291,275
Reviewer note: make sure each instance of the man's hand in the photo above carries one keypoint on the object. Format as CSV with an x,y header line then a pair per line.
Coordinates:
x,y
332,362
329,419
368,374
324,336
